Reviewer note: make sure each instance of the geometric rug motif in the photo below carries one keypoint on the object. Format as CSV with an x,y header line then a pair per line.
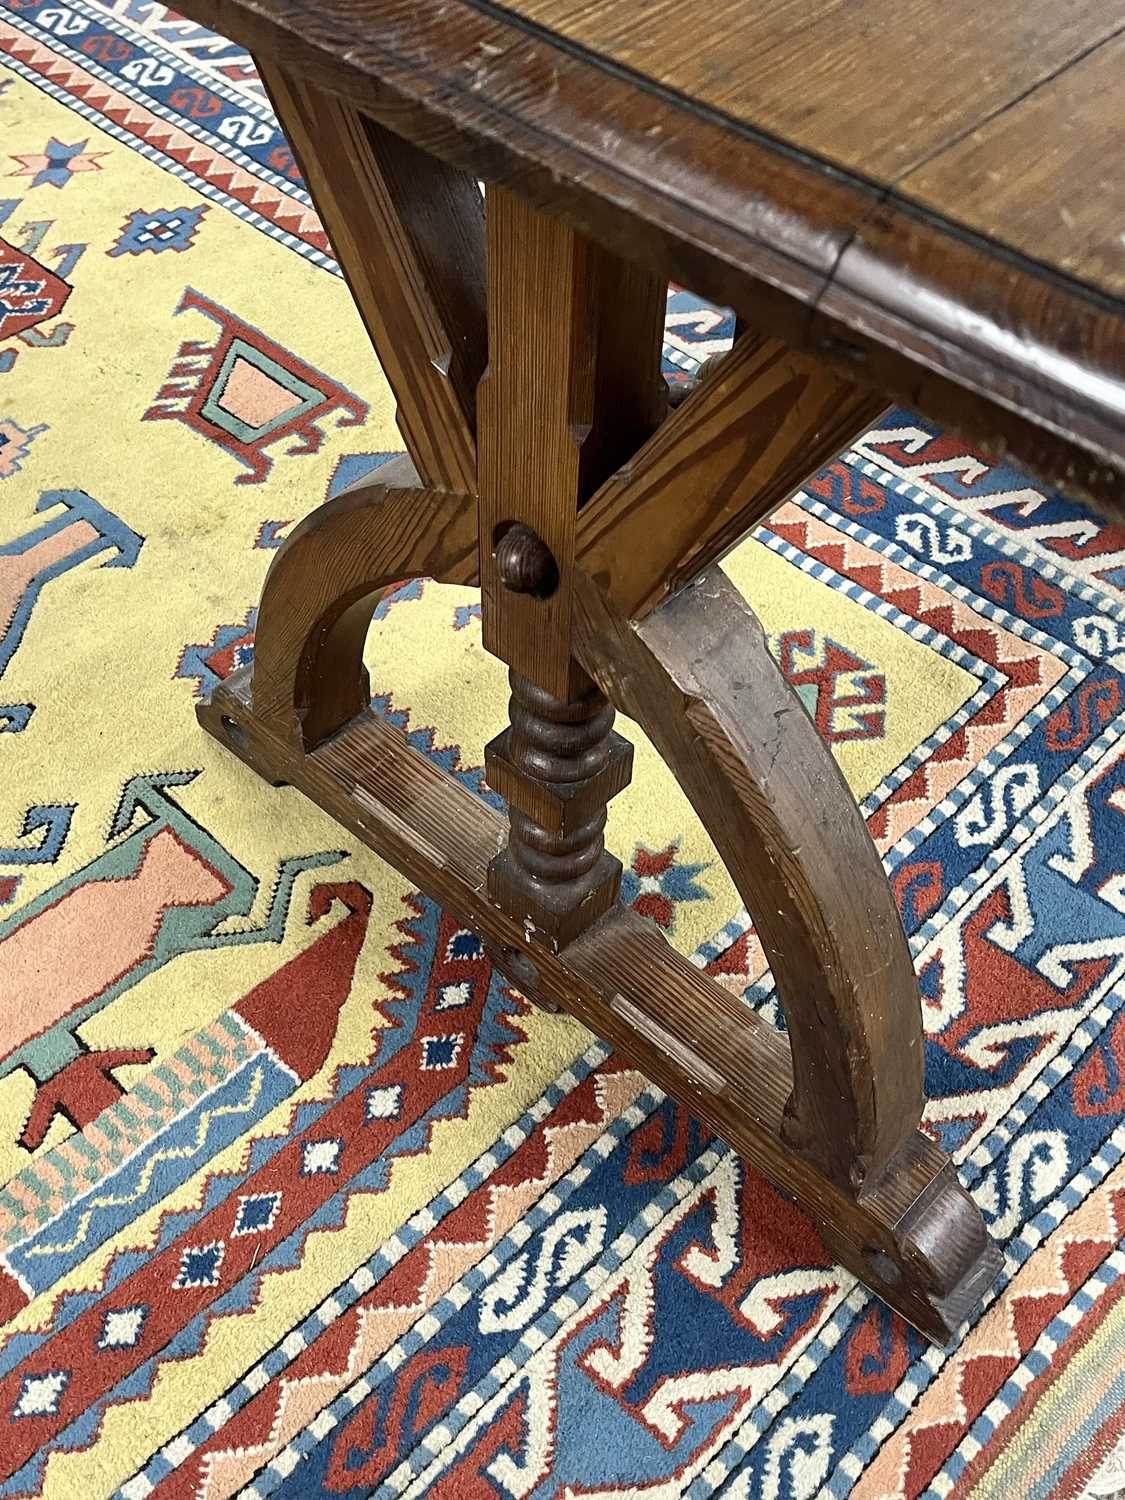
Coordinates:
x,y
243,391
843,695
297,1197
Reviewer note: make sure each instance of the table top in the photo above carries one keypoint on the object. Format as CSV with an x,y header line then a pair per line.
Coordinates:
x,y
930,191
1007,117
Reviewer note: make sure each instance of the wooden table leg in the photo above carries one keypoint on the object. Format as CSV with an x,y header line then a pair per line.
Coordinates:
x,y
567,323
584,518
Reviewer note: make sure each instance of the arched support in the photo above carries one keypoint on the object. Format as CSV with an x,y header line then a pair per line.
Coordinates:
x,y
697,676
325,582
908,1228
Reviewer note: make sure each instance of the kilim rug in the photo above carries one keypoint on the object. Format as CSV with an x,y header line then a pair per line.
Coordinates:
x,y
298,1198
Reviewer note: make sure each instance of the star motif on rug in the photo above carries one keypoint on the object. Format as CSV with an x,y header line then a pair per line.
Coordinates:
x,y
656,883
57,163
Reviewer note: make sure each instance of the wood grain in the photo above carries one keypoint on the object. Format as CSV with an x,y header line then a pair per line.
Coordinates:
x,y
573,388
730,454
867,85
630,392
1044,176
325,582
408,232
536,409
699,679
1054,365
745,218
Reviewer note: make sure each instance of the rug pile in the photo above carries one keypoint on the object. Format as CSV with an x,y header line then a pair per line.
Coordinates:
x,y
296,1197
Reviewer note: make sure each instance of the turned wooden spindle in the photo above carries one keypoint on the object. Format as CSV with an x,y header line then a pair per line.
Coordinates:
x,y
559,743
557,765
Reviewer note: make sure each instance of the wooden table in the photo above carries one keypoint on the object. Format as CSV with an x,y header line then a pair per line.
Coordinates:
x,y
923,204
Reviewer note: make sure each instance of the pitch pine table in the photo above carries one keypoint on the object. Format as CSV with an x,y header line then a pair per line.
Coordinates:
x,y
920,204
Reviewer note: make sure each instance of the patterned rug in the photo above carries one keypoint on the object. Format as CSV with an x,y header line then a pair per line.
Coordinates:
x,y
299,1199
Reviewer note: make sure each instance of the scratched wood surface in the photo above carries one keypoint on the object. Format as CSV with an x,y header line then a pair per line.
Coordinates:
x,y
1045,175
917,196
874,85
1007,117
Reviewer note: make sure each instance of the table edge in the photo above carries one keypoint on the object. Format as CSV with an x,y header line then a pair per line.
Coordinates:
x,y
879,283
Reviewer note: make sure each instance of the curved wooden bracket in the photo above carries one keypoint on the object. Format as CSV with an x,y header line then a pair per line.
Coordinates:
x,y
699,679
325,582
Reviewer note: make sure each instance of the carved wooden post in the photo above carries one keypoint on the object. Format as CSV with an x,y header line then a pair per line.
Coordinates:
x,y
556,766
571,389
